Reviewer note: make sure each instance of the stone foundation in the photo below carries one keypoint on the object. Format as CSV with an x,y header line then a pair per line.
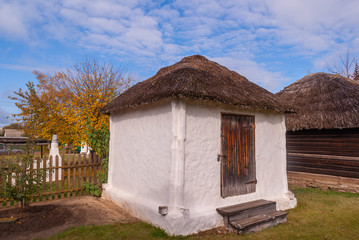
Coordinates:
x,y
324,182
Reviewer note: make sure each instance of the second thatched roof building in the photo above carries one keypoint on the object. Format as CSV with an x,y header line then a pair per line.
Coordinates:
x,y
323,132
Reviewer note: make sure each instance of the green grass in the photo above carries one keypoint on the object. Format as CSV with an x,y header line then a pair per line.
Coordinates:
x,y
319,215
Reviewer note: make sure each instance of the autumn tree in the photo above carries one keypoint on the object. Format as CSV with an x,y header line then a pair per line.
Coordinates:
x,y
62,103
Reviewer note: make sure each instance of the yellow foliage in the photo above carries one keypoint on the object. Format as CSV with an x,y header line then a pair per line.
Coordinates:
x,y
61,103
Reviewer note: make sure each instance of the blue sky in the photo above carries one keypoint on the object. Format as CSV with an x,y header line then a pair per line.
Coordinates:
x,y
273,43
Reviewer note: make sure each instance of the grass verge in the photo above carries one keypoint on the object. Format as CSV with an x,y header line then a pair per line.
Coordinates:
x,y
319,215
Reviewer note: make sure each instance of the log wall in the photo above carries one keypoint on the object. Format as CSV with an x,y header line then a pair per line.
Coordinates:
x,y
329,152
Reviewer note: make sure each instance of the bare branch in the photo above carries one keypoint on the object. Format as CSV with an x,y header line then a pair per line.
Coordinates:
x,y
344,67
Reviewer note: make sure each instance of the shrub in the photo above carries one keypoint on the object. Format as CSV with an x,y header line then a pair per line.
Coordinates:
x,y
18,181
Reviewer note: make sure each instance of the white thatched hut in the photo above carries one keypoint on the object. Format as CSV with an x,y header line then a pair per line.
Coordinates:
x,y
194,138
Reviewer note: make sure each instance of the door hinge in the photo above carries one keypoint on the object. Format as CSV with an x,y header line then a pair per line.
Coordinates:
x,y
253,181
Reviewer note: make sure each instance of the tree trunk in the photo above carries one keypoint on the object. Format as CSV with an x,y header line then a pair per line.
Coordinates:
x,y
22,207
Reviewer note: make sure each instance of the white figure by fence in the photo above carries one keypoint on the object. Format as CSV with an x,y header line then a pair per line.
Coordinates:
x,y
85,148
54,152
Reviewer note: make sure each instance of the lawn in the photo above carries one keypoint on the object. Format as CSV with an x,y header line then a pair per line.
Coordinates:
x,y
319,215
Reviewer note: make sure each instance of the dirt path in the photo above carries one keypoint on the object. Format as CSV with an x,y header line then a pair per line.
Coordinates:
x,y
48,218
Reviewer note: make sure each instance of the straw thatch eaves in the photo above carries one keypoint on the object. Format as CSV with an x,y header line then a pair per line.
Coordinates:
x,y
196,78
322,101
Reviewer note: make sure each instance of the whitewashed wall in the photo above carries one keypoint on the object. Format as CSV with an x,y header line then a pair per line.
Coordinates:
x,y
139,166
148,149
203,143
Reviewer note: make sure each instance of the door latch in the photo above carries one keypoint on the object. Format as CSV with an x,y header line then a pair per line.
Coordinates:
x,y
253,181
219,156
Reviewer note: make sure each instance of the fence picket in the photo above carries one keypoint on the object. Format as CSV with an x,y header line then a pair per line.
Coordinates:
x,y
79,167
63,175
95,168
79,172
31,176
57,173
43,166
74,171
38,169
90,168
85,169
50,173
68,174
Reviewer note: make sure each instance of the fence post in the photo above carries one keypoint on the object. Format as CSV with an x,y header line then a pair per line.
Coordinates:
x,y
57,174
79,173
54,151
74,163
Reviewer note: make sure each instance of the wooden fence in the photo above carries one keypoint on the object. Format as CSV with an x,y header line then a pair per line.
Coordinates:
x,y
64,178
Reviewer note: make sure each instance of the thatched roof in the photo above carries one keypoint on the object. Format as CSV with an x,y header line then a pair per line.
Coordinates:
x,y
322,101
197,78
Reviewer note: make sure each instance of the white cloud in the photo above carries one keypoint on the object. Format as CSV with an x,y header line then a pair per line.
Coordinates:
x,y
3,118
11,21
152,33
29,68
315,25
113,27
254,72
18,67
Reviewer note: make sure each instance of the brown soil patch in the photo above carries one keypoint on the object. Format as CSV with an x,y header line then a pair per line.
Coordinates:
x,y
48,218
212,232
36,218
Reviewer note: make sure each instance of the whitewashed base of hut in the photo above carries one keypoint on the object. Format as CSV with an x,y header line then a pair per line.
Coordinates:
x,y
176,221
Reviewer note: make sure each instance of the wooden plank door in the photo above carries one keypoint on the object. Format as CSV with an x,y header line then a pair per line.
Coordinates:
x,y
238,167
